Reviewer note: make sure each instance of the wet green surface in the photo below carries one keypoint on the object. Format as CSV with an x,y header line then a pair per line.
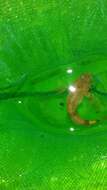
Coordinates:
x,y
40,147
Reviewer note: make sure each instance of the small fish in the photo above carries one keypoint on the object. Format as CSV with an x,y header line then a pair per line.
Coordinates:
x,y
82,86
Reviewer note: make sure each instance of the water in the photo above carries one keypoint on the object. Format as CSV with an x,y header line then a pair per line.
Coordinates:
x,y
38,134
49,90
40,147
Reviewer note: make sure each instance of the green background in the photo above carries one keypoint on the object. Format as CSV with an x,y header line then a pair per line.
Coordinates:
x,y
41,40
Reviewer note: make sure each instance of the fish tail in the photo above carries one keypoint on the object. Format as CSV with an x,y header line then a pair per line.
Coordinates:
x,y
78,120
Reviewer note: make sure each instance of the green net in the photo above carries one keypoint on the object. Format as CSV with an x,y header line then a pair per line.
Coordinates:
x,y
45,46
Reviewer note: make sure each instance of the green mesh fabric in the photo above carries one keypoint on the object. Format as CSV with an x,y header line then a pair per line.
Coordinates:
x,y
40,147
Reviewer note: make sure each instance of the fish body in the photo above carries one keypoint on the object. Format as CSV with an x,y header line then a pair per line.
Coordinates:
x,y
82,88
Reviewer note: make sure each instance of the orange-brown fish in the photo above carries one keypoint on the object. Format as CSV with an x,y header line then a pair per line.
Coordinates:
x,y
82,86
